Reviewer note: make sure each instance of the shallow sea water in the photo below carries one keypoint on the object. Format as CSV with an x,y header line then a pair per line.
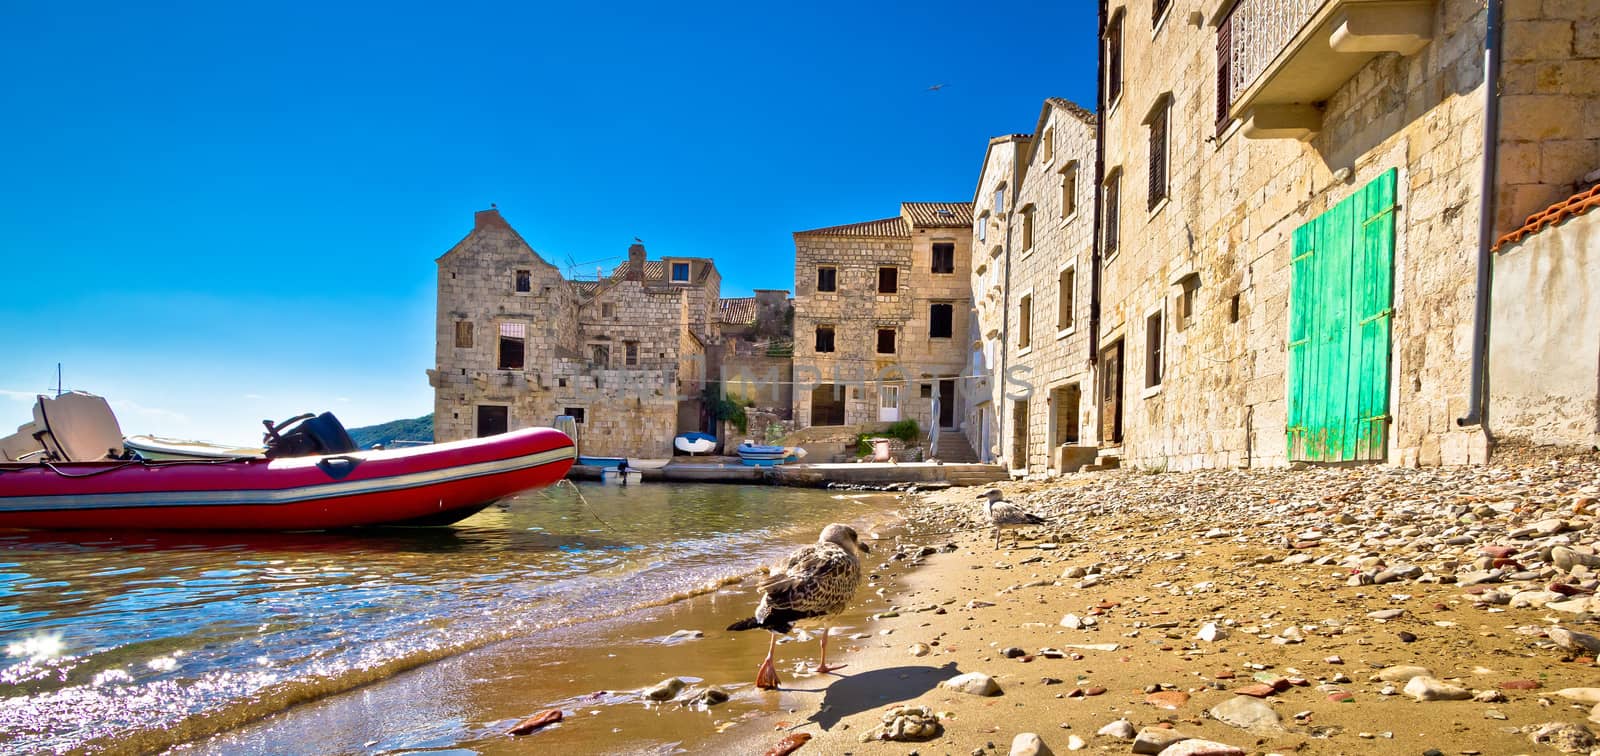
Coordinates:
x,y
133,641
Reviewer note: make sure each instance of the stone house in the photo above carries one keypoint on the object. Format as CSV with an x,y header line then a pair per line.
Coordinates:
x,y
1034,235
517,344
1544,346
881,319
755,361
1290,200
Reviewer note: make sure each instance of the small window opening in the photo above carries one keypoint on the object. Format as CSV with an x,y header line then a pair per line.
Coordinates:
x,y
600,355
1189,290
824,338
1233,309
524,281
944,257
513,338
1152,350
463,334
1025,322
827,278
888,280
630,353
680,272
576,413
940,317
1066,298
885,341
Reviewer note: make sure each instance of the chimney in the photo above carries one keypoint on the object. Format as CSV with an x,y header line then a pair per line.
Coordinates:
x,y
636,259
488,219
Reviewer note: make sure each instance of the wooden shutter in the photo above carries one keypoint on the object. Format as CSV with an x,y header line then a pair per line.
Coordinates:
x,y
1224,71
1112,212
1158,158
1114,60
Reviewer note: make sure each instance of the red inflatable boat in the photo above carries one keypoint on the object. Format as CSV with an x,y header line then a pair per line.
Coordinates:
x,y
427,485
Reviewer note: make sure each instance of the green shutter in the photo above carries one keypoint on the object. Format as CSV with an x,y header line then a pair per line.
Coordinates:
x,y
1339,313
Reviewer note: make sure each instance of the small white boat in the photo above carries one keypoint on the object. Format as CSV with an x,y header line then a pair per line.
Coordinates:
x,y
163,448
695,443
649,464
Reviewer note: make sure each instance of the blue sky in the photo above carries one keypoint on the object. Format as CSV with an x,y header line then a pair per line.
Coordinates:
x,y
214,214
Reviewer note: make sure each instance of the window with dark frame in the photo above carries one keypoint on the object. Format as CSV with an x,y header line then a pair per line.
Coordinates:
x,y
608,310
524,281
1066,295
1224,72
1069,190
944,257
888,280
630,353
886,341
463,334
1189,290
1025,322
513,340
1159,9
1152,350
1158,152
1113,213
941,315
577,414
824,338
680,272
1027,229
827,278
1113,44
600,355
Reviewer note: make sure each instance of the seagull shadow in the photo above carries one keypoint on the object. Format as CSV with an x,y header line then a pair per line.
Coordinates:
x,y
876,688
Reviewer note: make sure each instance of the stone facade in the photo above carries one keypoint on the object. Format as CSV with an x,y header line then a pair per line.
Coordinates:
x,y
888,301
518,344
1203,275
1034,233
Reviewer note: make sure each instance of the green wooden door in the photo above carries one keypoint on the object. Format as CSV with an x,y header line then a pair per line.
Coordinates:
x,y
1340,306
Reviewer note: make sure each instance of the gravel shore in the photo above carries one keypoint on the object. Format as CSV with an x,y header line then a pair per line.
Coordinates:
x,y
1327,610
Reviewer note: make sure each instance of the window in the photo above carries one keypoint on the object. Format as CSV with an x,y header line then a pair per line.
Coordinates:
x,y
888,280
1224,72
1069,190
1158,10
1152,349
680,272
827,278
1114,59
926,391
1113,208
983,226
824,338
1027,229
600,355
885,341
630,353
524,281
1025,322
1233,310
576,413
940,316
1189,288
1066,298
463,334
1047,147
1000,200
1158,150
608,310
513,336
944,257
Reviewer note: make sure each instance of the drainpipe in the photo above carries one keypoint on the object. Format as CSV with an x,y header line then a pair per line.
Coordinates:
x,y
1476,395
1005,327
1099,197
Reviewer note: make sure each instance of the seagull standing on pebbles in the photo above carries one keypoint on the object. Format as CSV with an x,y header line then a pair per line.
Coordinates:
x,y
1004,514
815,581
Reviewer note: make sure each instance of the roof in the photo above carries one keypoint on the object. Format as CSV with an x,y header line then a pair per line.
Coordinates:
x,y
891,227
1567,209
1078,111
738,310
654,270
983,167
938,214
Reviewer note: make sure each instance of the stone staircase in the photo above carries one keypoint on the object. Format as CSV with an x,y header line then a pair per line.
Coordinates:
x,y
1107,459
954,449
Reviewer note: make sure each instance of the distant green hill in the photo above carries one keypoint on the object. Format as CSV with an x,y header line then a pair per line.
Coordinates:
x,y
416,429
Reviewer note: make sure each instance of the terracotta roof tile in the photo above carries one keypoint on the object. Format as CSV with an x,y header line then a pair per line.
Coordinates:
x,y
654,270
738,310
891,227
938,214
1560,212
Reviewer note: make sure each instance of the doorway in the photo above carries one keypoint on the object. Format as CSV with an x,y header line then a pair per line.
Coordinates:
x,y
1064,400
947,404
1111,395
827,405
1019,434
493,420
888,403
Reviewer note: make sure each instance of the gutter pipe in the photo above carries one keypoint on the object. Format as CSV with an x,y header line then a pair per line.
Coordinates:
x,y
1476,394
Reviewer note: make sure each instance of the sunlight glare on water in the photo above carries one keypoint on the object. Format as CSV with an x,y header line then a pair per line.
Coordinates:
x,y
120,637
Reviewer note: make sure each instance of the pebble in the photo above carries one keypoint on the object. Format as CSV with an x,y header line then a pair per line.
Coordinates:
x,y
1426,688
905,724
1029,744
919,649
666,690
1247,713
972,683
1153,740
1120,729
1203,748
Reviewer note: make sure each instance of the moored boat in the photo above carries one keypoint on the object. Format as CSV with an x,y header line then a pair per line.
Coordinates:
x,y
161,448
695,442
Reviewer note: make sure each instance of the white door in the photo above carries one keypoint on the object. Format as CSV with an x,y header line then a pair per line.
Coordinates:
x,y
888,404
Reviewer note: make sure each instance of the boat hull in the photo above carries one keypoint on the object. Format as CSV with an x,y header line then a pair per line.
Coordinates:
x,y
431,485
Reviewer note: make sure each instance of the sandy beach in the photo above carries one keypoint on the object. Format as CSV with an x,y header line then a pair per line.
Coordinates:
x,y
1268,611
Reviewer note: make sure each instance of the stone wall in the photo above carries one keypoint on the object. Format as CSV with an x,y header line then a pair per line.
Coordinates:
x,y
577,347
1228,225
1544,355
1000,179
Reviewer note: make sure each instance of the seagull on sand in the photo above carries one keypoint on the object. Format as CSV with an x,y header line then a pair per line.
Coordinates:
x,y
817,580
1004,514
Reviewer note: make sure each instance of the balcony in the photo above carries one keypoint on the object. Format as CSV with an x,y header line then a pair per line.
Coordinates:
x,y
1279,60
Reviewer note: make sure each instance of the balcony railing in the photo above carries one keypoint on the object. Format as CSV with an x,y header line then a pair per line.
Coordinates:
x,y
1278,61
1257,31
